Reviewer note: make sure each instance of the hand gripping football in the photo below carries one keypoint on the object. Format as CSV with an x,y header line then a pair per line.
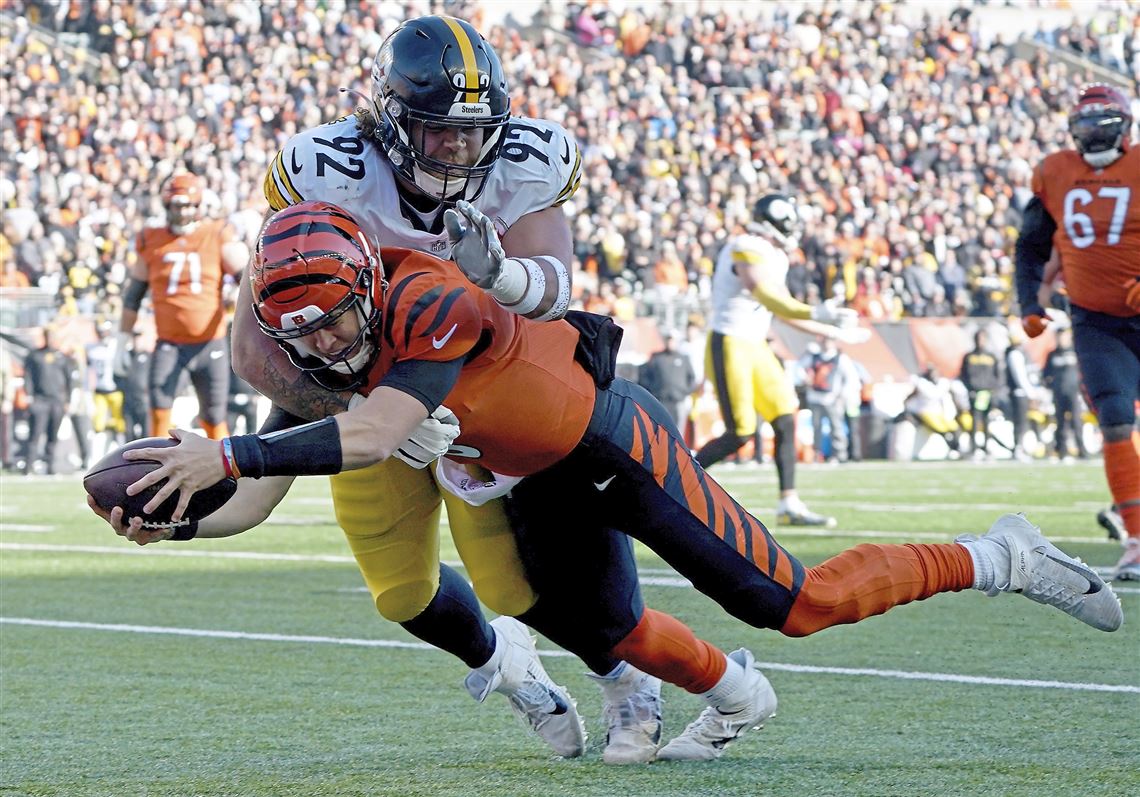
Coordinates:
x,y
108,479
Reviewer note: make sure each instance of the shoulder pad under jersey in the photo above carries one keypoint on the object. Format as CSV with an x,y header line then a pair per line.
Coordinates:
x,y
328,162
540,166
431,314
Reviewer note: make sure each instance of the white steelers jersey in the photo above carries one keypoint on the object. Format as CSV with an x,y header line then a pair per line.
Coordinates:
x,y
539,166
734,310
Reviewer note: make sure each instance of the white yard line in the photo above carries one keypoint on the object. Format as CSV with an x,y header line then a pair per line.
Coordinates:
x,y
388,643
1006,506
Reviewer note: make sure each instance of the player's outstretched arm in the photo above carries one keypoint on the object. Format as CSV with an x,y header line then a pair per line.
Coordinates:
x,y
249,507
369,433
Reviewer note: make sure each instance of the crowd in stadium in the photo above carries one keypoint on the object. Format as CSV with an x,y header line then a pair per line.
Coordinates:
x,y
909,144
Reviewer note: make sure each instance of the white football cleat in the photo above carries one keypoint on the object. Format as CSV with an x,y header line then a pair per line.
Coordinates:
x,y
544,706
632,711
706,737
1024,561
1128,568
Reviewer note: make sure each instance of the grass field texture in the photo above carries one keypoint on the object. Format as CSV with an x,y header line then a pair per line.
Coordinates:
x,y
256,666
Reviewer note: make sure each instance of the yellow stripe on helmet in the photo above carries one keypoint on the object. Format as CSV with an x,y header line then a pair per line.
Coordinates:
x,y
467,50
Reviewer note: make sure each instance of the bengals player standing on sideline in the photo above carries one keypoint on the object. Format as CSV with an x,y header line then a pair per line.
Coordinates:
x,y
540,403
1086,205
184,264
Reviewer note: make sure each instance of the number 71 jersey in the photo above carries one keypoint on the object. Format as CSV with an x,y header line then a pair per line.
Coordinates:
x,y
539,166
1097,212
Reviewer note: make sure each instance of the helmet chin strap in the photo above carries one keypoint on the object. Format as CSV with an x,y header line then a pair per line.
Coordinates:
x,y
434,186
353,364
1099,160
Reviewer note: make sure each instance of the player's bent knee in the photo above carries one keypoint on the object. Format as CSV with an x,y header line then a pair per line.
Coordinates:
x,y
511,597
406,601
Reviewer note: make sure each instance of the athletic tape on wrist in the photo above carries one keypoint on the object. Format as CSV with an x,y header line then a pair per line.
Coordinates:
x,y
562,299
515,281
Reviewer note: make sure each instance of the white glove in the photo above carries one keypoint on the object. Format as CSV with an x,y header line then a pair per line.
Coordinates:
x,y
830,312
121,365
852,336
475,245
430,440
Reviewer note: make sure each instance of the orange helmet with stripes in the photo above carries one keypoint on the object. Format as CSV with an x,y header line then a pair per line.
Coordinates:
x,y
312,265
182,198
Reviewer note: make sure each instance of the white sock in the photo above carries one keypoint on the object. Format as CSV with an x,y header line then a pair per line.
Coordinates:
x,y
990,558
725,696
613,674
791,503
480,681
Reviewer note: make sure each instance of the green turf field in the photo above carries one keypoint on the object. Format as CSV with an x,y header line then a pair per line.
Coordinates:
x,y
256,665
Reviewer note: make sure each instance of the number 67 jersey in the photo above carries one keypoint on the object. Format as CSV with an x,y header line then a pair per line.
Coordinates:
x,y
1097,213
539,166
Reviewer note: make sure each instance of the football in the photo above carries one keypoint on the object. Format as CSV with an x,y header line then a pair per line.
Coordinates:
x,y
108,479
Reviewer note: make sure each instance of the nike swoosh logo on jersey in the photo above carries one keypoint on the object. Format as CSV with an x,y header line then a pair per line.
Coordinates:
x,y
566,154
439,343
293,162
603,485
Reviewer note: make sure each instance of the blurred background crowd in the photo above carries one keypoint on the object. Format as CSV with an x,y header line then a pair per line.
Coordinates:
x,y
907,131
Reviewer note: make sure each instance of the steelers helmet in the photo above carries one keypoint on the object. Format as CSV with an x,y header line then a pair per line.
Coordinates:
x,y
433,73
775,216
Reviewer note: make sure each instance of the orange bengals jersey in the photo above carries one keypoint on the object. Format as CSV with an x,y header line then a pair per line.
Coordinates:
x,y
1097,212
522,400
184,273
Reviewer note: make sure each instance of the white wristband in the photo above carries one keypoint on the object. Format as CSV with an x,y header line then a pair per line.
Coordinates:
x,y
513,280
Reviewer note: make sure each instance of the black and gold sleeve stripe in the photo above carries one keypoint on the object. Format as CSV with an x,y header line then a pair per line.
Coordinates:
x,y
278,187
574,180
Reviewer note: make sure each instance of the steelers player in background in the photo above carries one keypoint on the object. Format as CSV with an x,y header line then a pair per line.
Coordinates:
x,y
748,290
184,263
1086,205
437,133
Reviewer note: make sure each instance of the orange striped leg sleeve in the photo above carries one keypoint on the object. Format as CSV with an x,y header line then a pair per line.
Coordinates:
x,y
1122,467
215,431
662,645
869,579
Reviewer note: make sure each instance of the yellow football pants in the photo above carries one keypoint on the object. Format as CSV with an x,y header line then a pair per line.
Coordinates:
x,y
390,515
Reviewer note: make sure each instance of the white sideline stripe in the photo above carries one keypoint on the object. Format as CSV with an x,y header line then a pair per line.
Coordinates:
x,y
867,506
135,550
26,528
391,643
